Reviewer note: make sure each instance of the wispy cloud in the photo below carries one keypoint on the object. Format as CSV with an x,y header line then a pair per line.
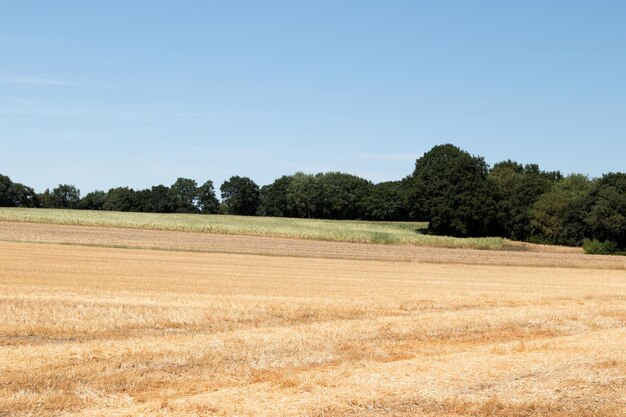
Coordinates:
x,y
27,80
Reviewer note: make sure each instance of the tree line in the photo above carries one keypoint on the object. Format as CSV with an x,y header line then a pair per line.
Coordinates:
x,y
456,192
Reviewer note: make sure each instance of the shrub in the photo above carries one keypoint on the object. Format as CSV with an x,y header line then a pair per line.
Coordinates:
x,y
595,247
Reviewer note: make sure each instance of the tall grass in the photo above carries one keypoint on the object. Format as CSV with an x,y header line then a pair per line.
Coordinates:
x,y
409,233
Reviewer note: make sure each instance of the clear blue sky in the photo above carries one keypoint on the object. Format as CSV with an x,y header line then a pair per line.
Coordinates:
x,y
138,93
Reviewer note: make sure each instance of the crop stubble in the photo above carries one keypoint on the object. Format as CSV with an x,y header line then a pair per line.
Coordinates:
x,y
347,330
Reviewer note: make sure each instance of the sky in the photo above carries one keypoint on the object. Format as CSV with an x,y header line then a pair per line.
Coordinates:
x,y
139,93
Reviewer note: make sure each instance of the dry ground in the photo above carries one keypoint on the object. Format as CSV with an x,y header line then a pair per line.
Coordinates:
x,y
389,331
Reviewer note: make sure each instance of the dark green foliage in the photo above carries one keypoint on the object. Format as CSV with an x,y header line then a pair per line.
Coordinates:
x,y
64,196
557,217
14,194
607,217
274,198
6,192
241,196
387,201
93,200
303,196
158,199
121,199
516,188
24,196
450,190
595,247
207,201
341,196
332,195
185,193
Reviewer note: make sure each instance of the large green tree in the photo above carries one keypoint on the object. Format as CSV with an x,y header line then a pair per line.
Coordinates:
x,y
607,217
240,195
516,188
93,200
557,217
185,192
274,198
158,199
207,201
14,194
303,196
388,201
24,196
342,196
450,190
64,196
6,192
121,199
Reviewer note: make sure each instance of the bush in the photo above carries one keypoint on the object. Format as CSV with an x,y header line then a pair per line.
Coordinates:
x,y
595,247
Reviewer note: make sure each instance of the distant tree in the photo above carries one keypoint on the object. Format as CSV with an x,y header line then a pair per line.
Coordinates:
x,y
13,194
25,196
185,192
607,217
387,201
274,198
207,201
449,189
121,199
303,196
240,195
342,196
516,188
6,192
64,196
93,200
557,217
158,199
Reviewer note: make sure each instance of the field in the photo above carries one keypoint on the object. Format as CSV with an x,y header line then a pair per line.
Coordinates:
x,y
101,321
333,230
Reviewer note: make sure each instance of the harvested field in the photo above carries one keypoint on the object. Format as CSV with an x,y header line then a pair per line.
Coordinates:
x,y
315,329
523,255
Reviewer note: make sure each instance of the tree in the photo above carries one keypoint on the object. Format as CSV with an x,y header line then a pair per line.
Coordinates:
x,y
241,196
342,196
14,194
185,192
121,199
557,217
207,202
24,196
607,217
303,196
387,201
274,198
158,199
64,196
6,192
93,200
516,188
449,189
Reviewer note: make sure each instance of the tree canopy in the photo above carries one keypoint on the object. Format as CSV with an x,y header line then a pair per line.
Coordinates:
x,y
241,196
450,190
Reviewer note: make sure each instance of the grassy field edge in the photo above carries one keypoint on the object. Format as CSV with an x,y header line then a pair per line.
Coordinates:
x,y
354,231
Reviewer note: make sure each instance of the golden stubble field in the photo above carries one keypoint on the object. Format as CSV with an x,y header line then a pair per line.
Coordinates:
x,y
103,331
